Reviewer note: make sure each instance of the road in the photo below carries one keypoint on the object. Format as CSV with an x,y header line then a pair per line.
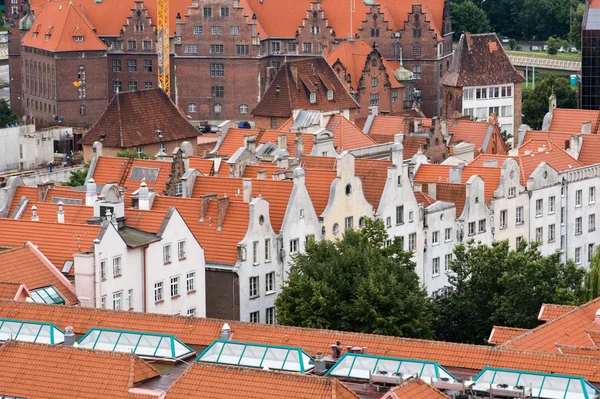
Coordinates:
x,y
4,87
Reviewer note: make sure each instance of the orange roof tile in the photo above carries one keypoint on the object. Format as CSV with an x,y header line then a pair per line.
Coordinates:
x,y
59,27
424,198
589,149
234,139
570,120
148,221
57,241
415,388
448,192
549,311
37,371
111,169
56,193
468,131
432,173
346,135
490,176
74,214
579,351
391,125
205,166
210,381
501,334
270,168
28,266
202,332
9,290
530,157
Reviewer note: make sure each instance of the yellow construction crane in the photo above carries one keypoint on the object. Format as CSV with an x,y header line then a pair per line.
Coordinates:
x,y
163,48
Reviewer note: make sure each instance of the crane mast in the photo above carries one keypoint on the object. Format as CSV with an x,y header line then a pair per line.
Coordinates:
x,y
163,48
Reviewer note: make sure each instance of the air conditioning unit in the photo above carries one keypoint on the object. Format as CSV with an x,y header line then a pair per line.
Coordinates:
x,y
448,384
385,378
509,391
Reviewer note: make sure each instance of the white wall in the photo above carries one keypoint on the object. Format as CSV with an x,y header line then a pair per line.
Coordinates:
x,y
438,217
504,122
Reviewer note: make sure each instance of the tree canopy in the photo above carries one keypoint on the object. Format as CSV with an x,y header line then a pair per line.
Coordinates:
x,y
357,284
535,102
6,114
467,17
494,285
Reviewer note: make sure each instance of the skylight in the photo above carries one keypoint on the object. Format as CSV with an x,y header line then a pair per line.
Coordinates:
x,y
139,173
142,344
46,295
30,331
535,385
256,355
360,366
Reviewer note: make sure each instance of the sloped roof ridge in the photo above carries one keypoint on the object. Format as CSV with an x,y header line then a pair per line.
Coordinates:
x,y
548,323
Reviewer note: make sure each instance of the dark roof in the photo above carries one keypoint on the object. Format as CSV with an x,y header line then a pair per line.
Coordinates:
x,y
296,80
132,119
480,60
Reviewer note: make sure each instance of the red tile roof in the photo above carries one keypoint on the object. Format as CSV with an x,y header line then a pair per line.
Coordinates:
x,y
53,192
490,176
234,139
36,371
9,290
318,182
346,135
205,166
28,266
530,157
469,131
480,60
56,26
210,381
391,125
133,118
415,388
148,221
251,171
501,334
549,311
569,120
74,214
296,80
112,169
57,241
425,199
432,173
448,192
589,149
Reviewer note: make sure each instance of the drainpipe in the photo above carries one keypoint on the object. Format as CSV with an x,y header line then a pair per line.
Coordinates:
x,y
565,184
529,194
144,299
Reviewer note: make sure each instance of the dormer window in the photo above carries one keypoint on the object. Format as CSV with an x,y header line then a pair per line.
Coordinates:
x,y
330,95
78,38
35,35
47,37
313,98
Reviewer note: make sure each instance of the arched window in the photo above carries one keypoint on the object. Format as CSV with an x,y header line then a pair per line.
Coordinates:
x,y
218,108
243,108
82,109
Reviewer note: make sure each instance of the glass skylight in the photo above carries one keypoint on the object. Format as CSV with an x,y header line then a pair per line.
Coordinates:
x,y
142,344
30,331
536,385
46,295
355,365
256,355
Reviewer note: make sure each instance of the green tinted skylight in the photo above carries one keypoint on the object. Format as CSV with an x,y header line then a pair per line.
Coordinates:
x,y
46,295
142,344
256,355
30,331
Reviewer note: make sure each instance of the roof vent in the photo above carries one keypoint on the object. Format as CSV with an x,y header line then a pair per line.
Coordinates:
x,y
225,332
69,336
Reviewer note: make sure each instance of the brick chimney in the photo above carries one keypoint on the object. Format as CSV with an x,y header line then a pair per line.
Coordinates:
x,y
204,202
250,143
42,190
222,204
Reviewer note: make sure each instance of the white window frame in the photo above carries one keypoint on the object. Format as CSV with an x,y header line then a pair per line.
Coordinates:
x,y
181,249
294,244
435,266
130,299
167,253
270,283
254,317
578,198
270,315
190,281
159,294
254,291
175,292
117,298
435,238
448,234
117,266
103,269
267,249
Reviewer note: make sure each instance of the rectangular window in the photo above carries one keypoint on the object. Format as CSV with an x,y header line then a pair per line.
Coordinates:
x,y
242,49
174,286
131,45
592,222
471,228
116,65
117,300
400,214
410,213
503,217
416,50
562,215
417,71
468,94
435,238
494,92
147,66
539,205
148,85
131,65
578,198
117,86
506,111
191,312
592,195
551,233
225,12
518,240
412,241
435,266
130,299
348,223
551,205
117,266
270,282
167,253
133,85
207,12
103,302
562,243
267,250
253,287
217,70
192,107
198,30
481,113
255,252
394,97
190,281
512,192
578,255
447,261
480,94
307,47
448,234
181,249
506,91
578,225
147,45
469,112
590,253
493,110
482,226
103,269
192,48
270,315
158,291
275,47
216,30
294,246
217,91
234,30
374,99
254,317
539,232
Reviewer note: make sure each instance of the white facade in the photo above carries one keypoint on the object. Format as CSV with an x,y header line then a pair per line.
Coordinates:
x,y
482,101
440,235
474,222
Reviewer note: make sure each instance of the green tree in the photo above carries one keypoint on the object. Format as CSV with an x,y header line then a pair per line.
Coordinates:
x,y
356,284
592,278
494,285
553,45
575,32
467,17
6,114
512,44
77,177
535,102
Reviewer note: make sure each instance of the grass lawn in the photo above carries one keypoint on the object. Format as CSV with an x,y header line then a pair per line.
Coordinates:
x,y
541,54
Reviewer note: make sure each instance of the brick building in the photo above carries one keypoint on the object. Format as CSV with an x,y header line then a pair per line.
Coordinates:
x,y
224,53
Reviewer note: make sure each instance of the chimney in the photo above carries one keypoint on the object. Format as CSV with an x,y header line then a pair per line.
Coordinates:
x,y
247,185
493,119
409,125
91,192
143,196
435,125
251,143
432,190
34,215
294,72
298,146
336,350
97,148
456,173
69,337
61,213
112,219
418,125
282,141
42,190
552,102
576,143
261,175
222,204
527,152
225,332
586,127
542,148
320,366
398,150
204,202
